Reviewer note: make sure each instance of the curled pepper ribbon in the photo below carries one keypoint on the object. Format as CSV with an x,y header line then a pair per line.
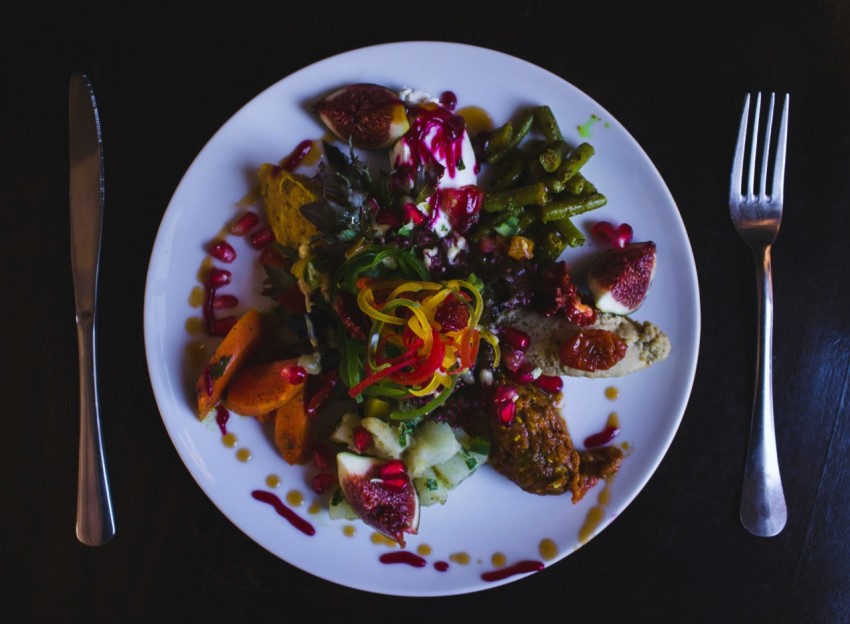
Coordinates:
x,y
408,348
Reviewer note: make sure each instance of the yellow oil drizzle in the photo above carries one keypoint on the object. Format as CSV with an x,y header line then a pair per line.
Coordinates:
x,y
382,540
476,118
460,557
596,514
206,265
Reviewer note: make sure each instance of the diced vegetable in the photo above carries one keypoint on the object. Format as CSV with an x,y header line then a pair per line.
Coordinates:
x,y
435,442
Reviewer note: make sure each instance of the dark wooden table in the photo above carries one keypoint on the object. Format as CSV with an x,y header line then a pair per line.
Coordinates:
x,y
167,77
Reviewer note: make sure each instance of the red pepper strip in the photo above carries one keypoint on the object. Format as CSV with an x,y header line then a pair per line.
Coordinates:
x,y
318,399
379,352
426,369
365,383
468,351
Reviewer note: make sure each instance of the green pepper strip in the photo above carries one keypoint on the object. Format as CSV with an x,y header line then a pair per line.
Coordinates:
x,y
425,409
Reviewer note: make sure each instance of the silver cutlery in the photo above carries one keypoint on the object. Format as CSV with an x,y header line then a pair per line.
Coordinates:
x,y
95,518
756,214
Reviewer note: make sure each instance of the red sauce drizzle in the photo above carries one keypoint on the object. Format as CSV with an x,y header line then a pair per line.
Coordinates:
x,y
403,556
295,520
221,418
441,566
521,567
294,159
603,437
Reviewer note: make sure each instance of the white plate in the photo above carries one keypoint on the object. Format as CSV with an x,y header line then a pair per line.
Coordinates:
x,y
488,524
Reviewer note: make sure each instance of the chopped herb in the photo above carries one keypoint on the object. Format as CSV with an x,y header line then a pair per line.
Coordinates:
x,y
217,369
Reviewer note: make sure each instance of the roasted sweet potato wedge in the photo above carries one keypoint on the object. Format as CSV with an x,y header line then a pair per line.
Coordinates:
x,y
228,358
293,429
260,388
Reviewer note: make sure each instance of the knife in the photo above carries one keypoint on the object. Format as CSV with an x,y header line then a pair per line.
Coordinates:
x,y
95,518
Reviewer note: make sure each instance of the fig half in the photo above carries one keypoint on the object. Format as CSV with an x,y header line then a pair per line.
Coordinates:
x,y
367,115
381,494
620,278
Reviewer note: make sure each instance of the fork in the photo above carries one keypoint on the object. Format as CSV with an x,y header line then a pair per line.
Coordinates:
x,y
756,218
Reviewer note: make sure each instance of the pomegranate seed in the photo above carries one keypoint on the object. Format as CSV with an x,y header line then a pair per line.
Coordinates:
x,y
619,237
393,468
244,224
291,162
505,394
603,437
293,374
362,439
515,337
224,302
524,374
513,358
322,457
222,326
549,383
261,238
218,277
506,413
224,251
322,481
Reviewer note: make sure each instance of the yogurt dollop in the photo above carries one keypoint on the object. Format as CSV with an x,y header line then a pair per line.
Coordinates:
x,y
437,138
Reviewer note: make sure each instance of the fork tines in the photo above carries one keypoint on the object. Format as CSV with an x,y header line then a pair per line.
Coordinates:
x,y
767,144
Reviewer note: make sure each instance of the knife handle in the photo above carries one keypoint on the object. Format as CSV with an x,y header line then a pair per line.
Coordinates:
x,y
95,519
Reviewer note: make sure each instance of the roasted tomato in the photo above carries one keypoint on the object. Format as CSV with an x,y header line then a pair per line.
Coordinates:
x,y
593,350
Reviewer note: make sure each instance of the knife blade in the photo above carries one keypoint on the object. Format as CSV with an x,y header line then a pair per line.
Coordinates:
x,y
95,517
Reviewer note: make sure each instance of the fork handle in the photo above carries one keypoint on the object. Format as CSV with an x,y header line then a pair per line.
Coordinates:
x,y
763,510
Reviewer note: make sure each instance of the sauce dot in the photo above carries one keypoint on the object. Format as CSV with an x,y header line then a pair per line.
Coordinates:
x,y
498,559
196,354
229,440
547,549
348,530
194,326
295,498
462,558
196,297
314,508
423,549
273,481
243,455
206,265
611,393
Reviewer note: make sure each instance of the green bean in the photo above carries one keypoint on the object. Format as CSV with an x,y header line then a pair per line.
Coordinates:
x,y
570,166
577,185
564,207
534,194
547,123
520,130
550,244
509,171
552,155
500,138
571,234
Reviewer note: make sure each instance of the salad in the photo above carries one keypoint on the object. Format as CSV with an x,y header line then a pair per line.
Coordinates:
x,y
421,315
